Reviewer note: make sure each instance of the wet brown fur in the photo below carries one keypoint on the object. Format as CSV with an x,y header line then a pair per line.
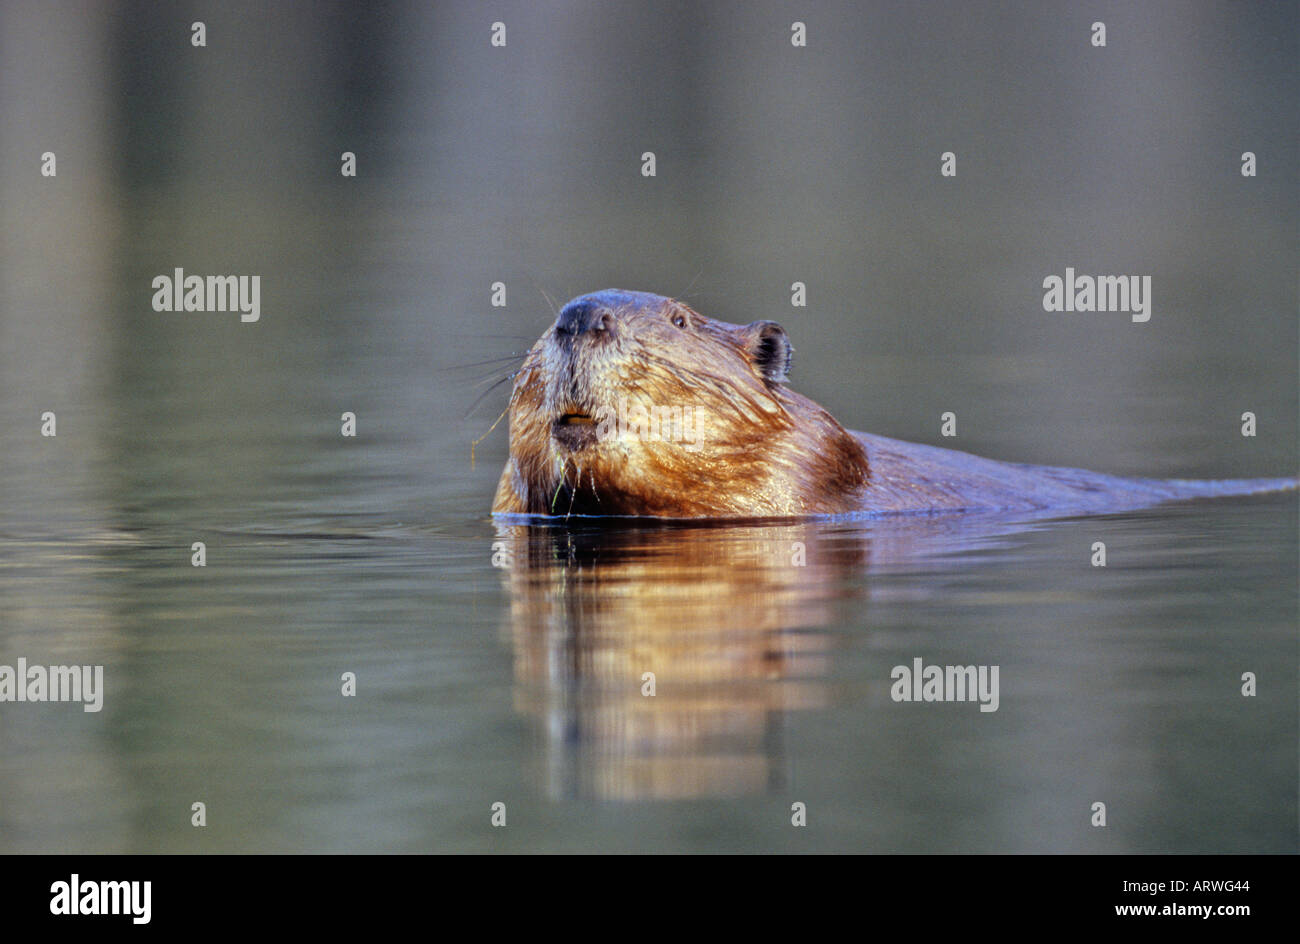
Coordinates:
x,y
764,450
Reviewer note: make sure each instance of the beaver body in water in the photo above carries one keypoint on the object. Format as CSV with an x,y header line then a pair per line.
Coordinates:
x,y
634,404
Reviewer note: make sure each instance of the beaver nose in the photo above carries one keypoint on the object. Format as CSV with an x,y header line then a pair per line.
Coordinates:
x,y
580,317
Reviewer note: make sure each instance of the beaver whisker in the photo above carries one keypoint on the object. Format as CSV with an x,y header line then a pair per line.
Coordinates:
x,y
495,378
482,396
573,492
490,362
556,497
681,296
494,336
555,310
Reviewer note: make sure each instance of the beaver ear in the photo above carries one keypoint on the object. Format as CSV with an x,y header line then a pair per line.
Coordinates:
x,y
769,348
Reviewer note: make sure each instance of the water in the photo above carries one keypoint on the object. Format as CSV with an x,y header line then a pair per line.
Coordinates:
x,y
479,684
521,684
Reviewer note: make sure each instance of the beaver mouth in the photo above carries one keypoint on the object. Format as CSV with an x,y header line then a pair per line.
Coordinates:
x,y
574,430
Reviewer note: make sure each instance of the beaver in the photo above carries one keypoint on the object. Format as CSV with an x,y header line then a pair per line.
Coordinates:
x,y
633,404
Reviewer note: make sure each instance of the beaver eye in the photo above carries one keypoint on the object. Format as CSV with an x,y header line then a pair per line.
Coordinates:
x,y
679,320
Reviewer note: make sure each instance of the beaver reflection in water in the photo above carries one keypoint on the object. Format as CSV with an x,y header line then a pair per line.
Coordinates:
x,y
634,404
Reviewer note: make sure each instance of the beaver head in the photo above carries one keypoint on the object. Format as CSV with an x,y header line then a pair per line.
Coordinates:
x,y
634,404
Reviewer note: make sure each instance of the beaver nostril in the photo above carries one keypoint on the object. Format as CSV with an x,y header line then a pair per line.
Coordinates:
x,y
580,317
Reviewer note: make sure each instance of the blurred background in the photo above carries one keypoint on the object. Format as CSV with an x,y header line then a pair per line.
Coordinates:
x,y
522,165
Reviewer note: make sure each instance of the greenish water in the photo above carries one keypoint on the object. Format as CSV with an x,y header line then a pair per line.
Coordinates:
x,y
523,685
478,684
